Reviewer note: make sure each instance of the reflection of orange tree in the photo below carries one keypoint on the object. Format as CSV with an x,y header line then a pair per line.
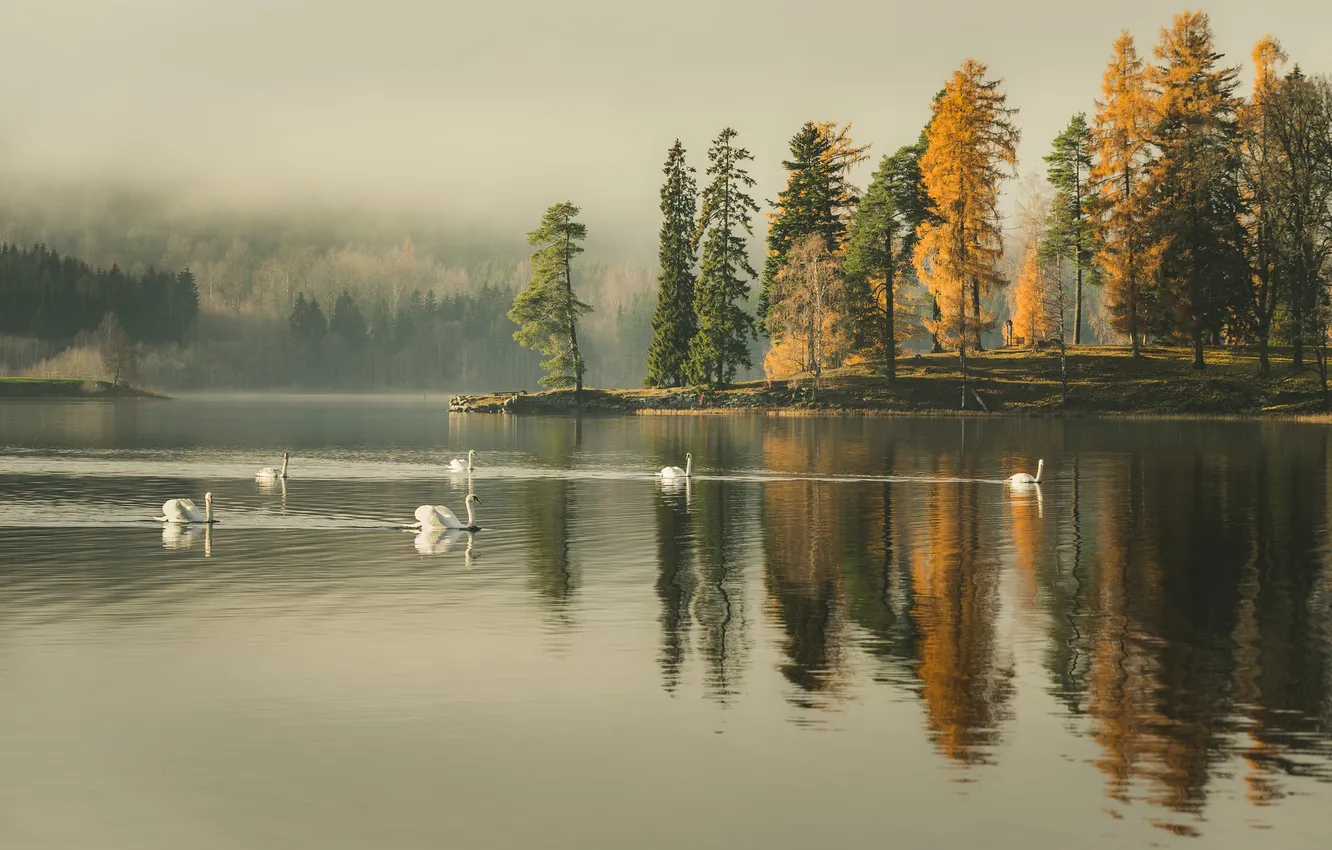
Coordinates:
x,y
966,691
1028,542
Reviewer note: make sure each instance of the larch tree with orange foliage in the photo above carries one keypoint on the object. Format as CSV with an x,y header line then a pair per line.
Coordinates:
x,y
805,318
1122,132
971,146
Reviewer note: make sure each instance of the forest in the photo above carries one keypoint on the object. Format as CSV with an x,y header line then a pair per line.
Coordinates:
x,y
1174,210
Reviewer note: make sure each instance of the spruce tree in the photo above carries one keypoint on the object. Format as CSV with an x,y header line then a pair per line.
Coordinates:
x,y
1068,233
874,263
724,328
1195,183
673,322
547,310
818,197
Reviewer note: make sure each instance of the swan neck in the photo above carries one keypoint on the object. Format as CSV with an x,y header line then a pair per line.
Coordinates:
x,y
208,512
1040,468
284,467
470,517
689,465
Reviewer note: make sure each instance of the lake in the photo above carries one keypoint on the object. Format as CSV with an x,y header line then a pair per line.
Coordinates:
x,y
840,633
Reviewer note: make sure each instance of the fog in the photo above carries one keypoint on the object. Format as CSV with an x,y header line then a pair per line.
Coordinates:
x,y
476,117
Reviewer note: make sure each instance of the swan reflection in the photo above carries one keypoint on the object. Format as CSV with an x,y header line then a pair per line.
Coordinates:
x,y
270,486
441,541
1029,493
176,536
676,486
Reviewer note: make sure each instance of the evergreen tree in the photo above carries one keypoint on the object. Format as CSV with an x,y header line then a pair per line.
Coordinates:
x,y
878,252
547,310
1126,252
185,304
1068,233
307,323
1195,183
720,345
347,323
818,198
673,322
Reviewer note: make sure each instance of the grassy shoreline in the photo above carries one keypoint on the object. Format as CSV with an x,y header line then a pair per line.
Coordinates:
x,y
1104,382
12,389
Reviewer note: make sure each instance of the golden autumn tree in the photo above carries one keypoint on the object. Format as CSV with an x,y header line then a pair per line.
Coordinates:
x,y
1122,131
806,318
971,145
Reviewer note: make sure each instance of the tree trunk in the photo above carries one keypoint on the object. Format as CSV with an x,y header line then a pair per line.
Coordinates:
x,y
976,309
1077,309
936,347
962,339
890,334
1198,362
1264,362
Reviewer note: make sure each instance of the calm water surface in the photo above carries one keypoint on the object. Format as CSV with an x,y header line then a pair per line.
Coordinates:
x,y
841,633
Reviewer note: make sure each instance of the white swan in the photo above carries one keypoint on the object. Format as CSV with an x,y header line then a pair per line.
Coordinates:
x,y
457,464
269,472
677,472
184,510
1023,479
438,516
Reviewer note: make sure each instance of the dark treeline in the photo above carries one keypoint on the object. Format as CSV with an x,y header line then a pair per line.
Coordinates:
x,y
45,295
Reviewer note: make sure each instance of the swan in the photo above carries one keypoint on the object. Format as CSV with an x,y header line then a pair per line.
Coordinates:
x,y
457,465
185,511
677,472
1023,479
270,472
438,516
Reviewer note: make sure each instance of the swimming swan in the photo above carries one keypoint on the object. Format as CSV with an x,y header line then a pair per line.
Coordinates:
x,y
270,472
457,464
184,510
677,472
438,516
1022,479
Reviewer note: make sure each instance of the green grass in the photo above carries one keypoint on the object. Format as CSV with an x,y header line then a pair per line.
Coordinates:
x,y
1103,380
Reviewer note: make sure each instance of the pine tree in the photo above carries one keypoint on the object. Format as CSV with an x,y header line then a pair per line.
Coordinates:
x,y
1126,253
1068,232
547,310
878,251
818,198
1194,183
972,145
673,322
720,344
347,322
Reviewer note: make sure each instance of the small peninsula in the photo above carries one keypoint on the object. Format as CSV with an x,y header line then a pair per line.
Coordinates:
x,y
1103,381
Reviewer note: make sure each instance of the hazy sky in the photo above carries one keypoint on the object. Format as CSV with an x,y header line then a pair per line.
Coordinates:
x,y
489,111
